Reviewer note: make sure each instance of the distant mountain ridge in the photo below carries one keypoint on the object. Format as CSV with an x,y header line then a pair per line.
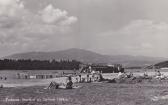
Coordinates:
x,y
88,57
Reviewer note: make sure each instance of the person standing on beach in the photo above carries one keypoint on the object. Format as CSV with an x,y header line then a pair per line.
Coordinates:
x,y
5,78
79,78
87,77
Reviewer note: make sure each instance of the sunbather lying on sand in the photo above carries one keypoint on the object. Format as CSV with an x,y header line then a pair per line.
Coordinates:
x,y
157,73
55,85
160,77
122,75
129,75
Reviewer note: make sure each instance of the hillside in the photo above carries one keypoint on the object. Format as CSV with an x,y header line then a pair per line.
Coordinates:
x,y
88,57
76,54
162,64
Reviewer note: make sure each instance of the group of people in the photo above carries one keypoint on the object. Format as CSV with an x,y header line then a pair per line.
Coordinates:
x,y
157,75
98,77
68,85
95,77
79,79
124,75
3,78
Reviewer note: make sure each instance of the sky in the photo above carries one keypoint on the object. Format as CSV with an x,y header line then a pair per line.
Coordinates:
x,y
113,27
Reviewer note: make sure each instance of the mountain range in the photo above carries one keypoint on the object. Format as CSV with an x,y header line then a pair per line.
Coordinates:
x,y
87,56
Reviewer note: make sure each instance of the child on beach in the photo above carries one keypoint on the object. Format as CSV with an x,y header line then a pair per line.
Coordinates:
x,y
69,83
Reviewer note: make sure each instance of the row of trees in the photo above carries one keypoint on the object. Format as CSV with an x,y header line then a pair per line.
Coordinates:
x,y
8,64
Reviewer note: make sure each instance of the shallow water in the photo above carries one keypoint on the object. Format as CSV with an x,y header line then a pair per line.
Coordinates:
x,y
12,80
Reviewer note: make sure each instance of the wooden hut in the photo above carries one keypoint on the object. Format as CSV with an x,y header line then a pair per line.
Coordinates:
x,y
45,76
23,76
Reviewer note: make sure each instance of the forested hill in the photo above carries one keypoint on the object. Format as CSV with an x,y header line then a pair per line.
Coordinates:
x,y
7,64
86,56
162,64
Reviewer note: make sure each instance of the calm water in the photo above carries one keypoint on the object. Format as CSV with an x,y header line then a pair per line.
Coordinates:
x,y
12,74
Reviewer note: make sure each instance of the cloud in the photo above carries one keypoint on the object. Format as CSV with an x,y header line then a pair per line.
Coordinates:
x,y
52,15
69,20
10,7
146,37
24,30
139,37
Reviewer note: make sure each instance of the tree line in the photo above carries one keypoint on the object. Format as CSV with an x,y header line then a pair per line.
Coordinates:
x,y
21,64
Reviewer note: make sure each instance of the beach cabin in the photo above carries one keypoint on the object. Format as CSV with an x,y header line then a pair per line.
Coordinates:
x,y
23,76
35,75
45,76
